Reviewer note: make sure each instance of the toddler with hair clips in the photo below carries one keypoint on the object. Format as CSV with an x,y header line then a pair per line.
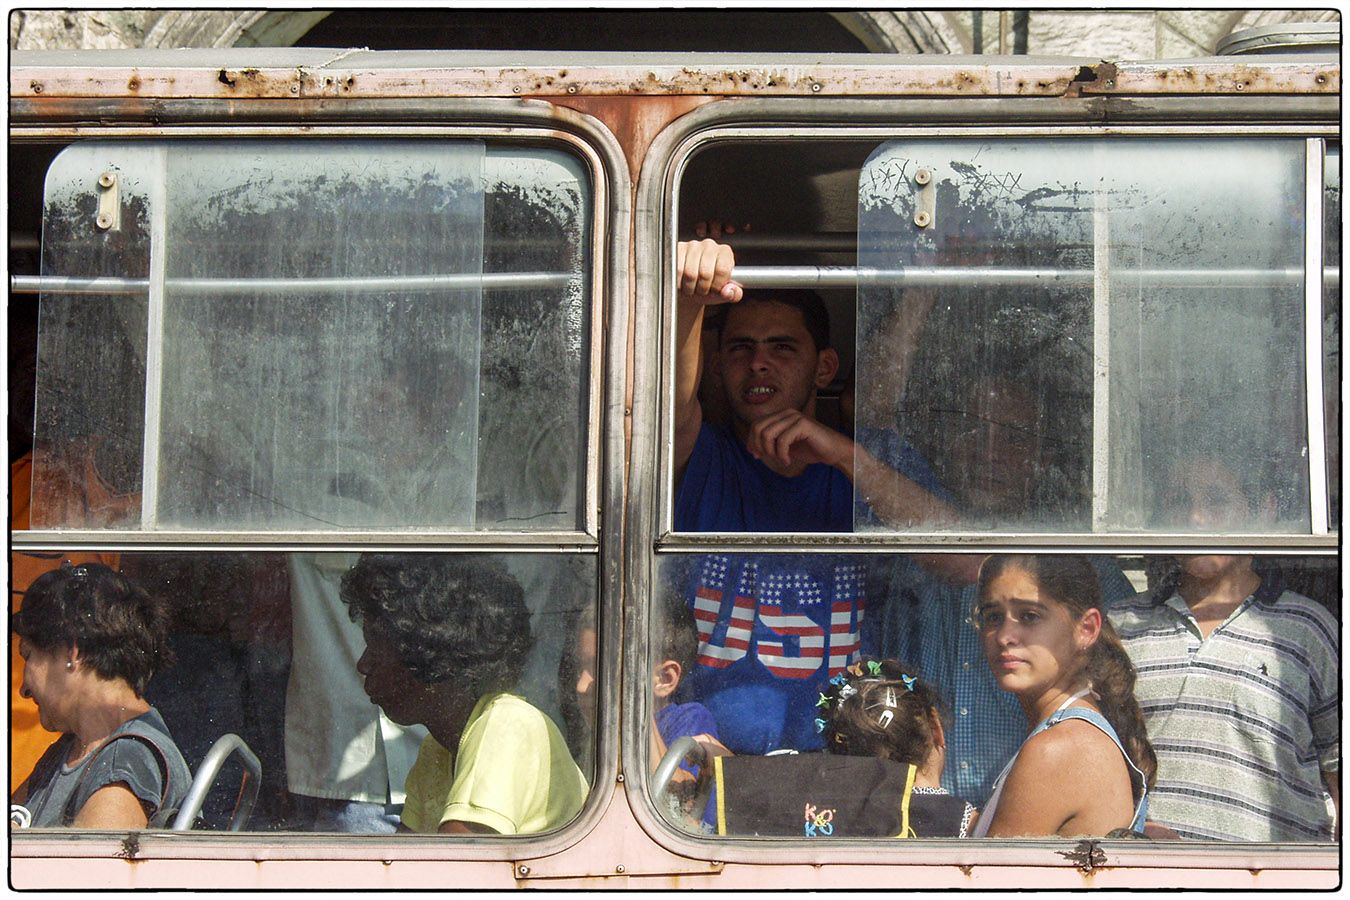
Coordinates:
x,y
878,708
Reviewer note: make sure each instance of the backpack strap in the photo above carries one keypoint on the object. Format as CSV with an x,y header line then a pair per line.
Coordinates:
x,y
161,817
907,830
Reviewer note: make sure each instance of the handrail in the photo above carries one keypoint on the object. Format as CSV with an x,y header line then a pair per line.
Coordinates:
x,y
207,773
60,284
750,276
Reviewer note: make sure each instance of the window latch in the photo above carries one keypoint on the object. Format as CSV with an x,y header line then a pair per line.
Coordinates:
x,y
109,203
923,216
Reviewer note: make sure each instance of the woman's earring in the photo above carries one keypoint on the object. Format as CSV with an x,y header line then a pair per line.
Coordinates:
x,y
70,665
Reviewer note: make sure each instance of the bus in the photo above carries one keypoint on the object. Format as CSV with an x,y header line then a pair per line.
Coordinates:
x,y
276,310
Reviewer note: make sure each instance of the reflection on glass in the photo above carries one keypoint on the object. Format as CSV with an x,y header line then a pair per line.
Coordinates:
x,y
1278,676
266,649
1079,319
324,354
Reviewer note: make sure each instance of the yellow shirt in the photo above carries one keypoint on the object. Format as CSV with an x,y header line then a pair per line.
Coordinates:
x,y
513,773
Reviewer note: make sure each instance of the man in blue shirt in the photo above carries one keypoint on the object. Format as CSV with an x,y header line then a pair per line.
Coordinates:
x,y
773,628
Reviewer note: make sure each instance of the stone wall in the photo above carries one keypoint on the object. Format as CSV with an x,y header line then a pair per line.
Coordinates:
x,y
1104,34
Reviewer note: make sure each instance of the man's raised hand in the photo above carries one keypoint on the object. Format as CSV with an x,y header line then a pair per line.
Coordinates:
x,y
703,272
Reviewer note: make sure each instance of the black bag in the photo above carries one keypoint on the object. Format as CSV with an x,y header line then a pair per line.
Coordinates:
x,y
821,795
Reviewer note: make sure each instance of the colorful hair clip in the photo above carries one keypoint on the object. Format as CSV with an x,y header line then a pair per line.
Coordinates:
x,y
838,679
885,718
856,669
820,726
846,691
890,697
874,667
909,681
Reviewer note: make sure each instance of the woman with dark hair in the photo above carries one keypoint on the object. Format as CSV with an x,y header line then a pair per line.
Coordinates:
x,y
446,641
1087,765
91,638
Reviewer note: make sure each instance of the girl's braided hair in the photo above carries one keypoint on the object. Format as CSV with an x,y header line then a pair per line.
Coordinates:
x,y
879,708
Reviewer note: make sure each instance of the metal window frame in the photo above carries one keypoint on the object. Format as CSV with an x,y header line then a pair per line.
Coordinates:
x,y
544,132
955,539
648,530
516,122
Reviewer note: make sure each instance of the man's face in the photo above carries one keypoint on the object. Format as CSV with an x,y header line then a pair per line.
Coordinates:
x,y
1205,495
769,362
995,452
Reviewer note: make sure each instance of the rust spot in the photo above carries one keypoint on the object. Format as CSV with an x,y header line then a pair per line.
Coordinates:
x,y
562,74
35,86
133,83
131,846
227,78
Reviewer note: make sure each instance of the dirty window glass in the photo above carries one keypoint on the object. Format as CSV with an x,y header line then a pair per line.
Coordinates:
x,y
313,336
264,647
1093,336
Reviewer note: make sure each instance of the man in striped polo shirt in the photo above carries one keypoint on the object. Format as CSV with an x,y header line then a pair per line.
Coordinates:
x,y
1239,683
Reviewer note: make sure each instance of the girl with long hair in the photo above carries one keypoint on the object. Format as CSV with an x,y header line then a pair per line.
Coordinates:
x,y
1086,765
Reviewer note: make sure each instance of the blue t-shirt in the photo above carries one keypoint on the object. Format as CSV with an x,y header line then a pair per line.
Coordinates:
x,y
677,720
724,488
773,628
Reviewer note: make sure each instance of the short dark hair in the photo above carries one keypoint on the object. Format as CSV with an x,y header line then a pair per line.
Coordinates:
x,y
120,629
460,615
678,633
807,302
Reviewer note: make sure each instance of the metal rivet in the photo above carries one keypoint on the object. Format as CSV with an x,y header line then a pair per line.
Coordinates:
x,y
295,89
1240,86
104,221
620,778
620,869
35,87
923,176
815,88
106,179
921,218
571,89
523,870
516,89
1110,83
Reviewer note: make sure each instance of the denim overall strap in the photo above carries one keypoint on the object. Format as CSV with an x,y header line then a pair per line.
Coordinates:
x,y
1096,718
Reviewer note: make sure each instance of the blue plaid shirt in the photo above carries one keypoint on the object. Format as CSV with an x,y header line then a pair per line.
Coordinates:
x,y
927,624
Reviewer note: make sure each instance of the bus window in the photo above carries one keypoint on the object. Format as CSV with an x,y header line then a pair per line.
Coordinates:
x,y
1079,317
322,337
265,647
314,336
737,673
1029,316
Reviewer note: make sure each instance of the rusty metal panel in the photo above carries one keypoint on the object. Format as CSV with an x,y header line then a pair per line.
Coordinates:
x,y
372,75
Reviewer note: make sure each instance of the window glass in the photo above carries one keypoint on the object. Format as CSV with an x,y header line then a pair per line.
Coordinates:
x,y
1093,334
754,654
317,348
338,712
1331,328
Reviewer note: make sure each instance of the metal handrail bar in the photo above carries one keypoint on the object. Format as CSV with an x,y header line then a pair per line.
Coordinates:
x,y
207,773
59,284
750,276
